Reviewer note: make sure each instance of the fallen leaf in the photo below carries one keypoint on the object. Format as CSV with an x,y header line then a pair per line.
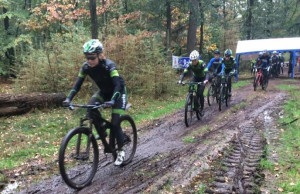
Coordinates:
x,y
280,189
292,184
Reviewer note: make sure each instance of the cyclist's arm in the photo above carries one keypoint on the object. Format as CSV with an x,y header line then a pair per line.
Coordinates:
x,y
78,83
223,68
183,74
209,64
114,74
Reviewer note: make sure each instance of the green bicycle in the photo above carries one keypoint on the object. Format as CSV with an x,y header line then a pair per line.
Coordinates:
x,y
190,103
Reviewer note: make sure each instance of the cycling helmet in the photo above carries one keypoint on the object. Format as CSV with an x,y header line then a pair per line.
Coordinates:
x,y
265,51
228,53
275,52
217,52
194,55
260,53
92,46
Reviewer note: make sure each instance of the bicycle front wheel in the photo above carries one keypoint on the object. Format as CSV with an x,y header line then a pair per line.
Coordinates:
x,y
188,113
255,83
210,95
226,96
130,138
221,97
78,158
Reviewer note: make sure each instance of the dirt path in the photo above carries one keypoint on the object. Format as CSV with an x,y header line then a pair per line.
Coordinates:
x,y
232,138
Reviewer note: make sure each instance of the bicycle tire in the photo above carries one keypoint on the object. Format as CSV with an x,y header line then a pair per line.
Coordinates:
x,y
130,132
77,170
255,83
210,94
188,112
220,98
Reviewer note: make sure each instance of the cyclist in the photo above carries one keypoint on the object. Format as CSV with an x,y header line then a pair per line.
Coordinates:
x,y
275,64
214,65
228,67
112,90
265,63
281,61
197,67
258,61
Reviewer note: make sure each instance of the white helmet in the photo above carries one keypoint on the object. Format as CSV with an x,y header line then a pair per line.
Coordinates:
x,y
92,46
194,55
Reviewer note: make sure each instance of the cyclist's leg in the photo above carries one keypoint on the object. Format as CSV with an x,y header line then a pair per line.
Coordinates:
x,y
229,83
117,111
201,96
95,114
264,76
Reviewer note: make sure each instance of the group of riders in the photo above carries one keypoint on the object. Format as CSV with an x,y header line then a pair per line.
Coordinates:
x,y
112,89
216,68
275,62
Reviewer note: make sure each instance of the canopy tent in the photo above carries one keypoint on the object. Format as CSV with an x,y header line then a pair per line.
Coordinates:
x,y
247,47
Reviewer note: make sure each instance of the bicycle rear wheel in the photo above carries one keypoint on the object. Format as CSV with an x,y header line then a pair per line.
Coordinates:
x,y
130,138
78,158
188,113
210,95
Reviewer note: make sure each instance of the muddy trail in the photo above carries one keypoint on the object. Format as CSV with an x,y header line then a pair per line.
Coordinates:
x,y
225,151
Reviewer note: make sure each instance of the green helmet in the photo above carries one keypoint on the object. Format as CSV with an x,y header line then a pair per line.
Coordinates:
x,y
228,53
92,46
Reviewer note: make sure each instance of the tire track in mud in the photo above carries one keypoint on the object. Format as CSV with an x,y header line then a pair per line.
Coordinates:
x,y
162,155
238,173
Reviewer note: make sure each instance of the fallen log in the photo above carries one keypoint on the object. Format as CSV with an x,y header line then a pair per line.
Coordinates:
x,y
11,104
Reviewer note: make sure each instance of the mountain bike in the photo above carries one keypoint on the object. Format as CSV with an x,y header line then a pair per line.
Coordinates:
x,y
259,80
223,94
190,103
79,151
213,91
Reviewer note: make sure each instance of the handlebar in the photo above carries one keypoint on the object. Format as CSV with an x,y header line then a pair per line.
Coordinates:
x,y
89,106
194,83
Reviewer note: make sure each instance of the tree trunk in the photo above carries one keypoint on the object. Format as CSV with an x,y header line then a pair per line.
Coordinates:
x,y
249,19
104,17
10,53
269,20
168,31
22,103
224,24
94,24
201,27
192,31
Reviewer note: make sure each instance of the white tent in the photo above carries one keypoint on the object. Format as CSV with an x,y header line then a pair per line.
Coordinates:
x,y
247,47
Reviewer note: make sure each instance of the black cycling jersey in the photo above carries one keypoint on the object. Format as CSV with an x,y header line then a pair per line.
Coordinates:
x,y
106,77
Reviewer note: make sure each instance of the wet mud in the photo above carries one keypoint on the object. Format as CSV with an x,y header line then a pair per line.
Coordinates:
x,y
224,155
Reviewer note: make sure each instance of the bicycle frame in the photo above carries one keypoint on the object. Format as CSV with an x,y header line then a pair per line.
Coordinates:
x,y
259,77
82,120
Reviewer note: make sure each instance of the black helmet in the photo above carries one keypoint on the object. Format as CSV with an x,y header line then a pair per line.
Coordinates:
x,y
228,53
217,52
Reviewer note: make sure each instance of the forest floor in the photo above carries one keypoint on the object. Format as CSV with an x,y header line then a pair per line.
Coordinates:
x,y
236,150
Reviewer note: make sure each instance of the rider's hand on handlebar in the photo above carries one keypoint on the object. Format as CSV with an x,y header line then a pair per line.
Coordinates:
x,y
66,102
109,103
